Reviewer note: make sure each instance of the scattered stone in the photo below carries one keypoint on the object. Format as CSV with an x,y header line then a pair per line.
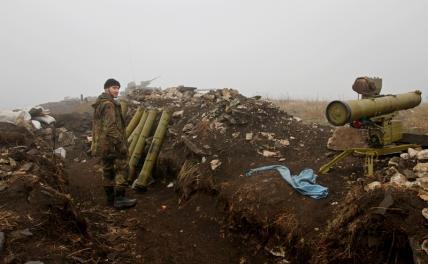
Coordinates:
x,y
170,185
284,142
12,163
192,146
425,213
410,175
26,167
236,134
405,156
412,152
188,128
269,136
423,182
398,179
248,136
215,164
422,155
394,161
347,137
34,262
421,169
178,114
372,186
269,154
298,119
424,246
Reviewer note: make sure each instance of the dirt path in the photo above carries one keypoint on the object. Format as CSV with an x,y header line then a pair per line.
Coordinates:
x,y
167,233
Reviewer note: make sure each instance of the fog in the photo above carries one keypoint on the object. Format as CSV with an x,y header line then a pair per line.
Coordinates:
x,y
283,49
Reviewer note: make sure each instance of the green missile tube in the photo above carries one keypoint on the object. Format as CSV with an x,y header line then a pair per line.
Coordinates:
x,y
339,113
139,148
124,107
134,121
136,133
154,149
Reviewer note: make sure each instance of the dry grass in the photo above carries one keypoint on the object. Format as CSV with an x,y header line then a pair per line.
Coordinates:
x,y
414,120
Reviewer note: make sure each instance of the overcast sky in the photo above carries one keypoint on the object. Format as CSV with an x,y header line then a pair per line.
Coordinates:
x,y
278,48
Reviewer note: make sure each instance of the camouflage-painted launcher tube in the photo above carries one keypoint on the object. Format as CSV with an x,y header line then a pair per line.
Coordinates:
x,y
124,107
154,149
139,148
134,121
136,133
339,113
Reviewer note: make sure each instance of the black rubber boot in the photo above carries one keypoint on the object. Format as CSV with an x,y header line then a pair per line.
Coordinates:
x,y
110,194
121,202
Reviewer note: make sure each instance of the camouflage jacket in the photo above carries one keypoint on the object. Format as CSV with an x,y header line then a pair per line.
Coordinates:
x,y
108,128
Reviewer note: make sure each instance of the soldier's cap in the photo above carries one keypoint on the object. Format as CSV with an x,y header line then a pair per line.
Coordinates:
x,y
111,82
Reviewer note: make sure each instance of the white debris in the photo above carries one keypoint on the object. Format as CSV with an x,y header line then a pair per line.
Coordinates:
x,y
422,155
248,136
425,213
421,169
268,154
60,152
405,156
398,179
178,113
170,185
215,164
236,134
372,186
412,152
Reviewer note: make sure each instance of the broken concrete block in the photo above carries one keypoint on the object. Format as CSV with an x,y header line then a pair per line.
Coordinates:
x,y
421,169
248,136
412,152
178,114
405,156
425,213
215,164
394,161
268,154
422,155
372,186
398,179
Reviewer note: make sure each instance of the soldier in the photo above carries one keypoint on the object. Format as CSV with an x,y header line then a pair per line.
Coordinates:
x,y
109,143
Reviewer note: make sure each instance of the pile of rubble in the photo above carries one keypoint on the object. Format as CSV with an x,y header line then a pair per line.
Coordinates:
x,y
216,136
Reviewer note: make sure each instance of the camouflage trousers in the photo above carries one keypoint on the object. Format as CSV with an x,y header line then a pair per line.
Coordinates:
x,y
115,171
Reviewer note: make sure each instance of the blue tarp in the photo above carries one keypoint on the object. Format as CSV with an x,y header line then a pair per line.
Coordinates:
x,y
304,183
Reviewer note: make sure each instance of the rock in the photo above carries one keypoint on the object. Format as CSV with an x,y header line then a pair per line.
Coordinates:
x,y
405,156
424,246
215,164
394,161
236,134
298,119
423,182
269,136
178,114
410,175
398,179
268,154
412,152
284,142
248,136
12,163
422,155
421,169
66,138
61,152
2,239
372,186
26,167
188,128
34,262
425,213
